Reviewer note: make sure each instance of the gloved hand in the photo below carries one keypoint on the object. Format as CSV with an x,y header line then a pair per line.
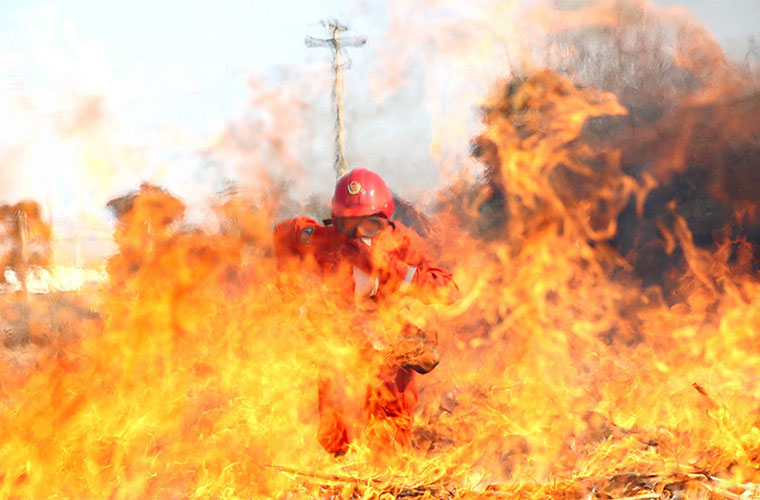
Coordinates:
x,y
416,351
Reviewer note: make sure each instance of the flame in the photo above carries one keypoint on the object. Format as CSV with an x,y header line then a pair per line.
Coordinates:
x,y
570,367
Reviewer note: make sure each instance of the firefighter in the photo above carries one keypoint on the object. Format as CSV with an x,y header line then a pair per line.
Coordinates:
x,y
369,260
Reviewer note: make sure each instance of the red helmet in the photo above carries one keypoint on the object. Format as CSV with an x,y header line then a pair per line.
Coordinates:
x,y
362,192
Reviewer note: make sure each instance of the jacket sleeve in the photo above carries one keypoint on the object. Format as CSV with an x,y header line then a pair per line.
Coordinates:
x,y
302,238
413,270
288,237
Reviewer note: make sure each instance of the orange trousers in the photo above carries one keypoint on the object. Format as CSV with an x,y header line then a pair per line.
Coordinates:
x,y
388,408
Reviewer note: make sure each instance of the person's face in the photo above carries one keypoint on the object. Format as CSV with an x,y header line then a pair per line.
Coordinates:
x,y
361,227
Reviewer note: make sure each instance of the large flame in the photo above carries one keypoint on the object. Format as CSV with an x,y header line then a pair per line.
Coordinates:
x,y
570,367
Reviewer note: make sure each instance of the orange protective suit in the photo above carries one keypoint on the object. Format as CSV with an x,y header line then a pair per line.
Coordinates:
x,y
395,261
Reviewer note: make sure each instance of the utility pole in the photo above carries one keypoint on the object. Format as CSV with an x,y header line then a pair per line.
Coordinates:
x,y
340,62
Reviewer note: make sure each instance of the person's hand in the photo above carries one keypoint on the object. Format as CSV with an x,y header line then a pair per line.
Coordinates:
x,y
416,351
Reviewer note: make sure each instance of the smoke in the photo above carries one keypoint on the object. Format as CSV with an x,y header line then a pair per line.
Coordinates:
x,y
89,115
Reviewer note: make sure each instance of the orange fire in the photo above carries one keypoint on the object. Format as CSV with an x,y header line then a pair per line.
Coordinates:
x,y
571,366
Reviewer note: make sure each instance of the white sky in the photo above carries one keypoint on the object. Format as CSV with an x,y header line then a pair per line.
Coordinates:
x,y
172,73
174,50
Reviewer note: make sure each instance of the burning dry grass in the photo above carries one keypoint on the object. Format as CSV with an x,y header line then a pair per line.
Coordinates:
x,y
561,376
569,369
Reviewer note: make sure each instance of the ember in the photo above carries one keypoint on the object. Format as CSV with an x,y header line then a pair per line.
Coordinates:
x,y
604,343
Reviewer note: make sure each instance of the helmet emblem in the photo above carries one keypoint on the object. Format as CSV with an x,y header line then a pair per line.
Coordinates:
x,y
354,187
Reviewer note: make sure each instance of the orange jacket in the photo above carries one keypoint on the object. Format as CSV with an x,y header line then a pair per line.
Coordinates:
x,y
397,259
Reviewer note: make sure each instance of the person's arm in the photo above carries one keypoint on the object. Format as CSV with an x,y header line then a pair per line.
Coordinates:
x,y
288,237
301,238
410,269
